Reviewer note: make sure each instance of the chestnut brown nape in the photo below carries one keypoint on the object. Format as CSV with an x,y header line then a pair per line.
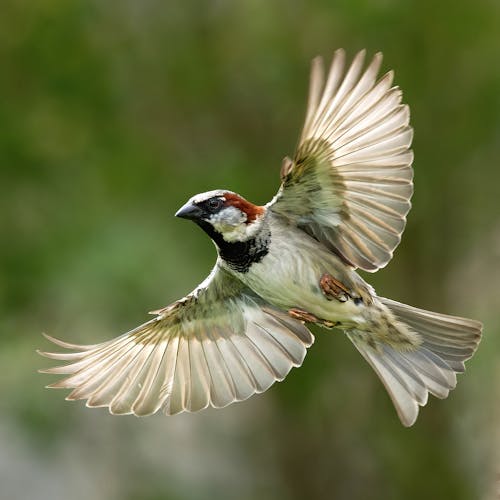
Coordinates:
x,y
252,211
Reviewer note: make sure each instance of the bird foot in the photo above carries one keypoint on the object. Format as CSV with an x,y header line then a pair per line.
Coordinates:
x,y
333,288
307,317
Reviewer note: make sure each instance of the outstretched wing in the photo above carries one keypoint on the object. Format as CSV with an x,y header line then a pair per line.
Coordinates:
x,y
350,182
220,344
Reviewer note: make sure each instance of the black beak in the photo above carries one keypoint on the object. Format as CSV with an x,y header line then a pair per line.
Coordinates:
x,y
189,211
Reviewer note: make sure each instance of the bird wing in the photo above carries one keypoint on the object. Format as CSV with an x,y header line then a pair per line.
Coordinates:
x,y
350,182
220,344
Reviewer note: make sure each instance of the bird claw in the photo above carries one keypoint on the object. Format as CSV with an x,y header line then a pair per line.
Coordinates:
x,y
307,317
302,315
333,288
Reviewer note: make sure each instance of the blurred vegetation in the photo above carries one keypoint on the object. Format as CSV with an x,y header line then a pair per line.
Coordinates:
x,y
112,115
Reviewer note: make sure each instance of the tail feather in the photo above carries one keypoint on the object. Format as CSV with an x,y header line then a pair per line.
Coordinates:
x,y
409,375
452,338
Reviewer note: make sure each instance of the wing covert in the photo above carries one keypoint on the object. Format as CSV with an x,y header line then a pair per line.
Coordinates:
x,y
220,344
350,182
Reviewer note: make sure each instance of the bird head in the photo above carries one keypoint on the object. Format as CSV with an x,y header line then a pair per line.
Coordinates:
x,y
224,214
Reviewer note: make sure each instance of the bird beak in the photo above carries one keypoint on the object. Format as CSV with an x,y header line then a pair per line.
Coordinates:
x,y
189,211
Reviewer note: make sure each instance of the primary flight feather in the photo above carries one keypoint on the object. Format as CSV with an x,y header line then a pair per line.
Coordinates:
x,y
342,205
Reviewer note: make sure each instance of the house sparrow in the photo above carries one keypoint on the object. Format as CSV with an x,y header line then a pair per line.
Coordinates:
x,y
342,205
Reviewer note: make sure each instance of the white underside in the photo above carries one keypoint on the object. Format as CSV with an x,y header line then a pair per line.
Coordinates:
x,y
289,276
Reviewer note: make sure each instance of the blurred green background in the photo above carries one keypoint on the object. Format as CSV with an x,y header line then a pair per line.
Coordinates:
x,y
112,115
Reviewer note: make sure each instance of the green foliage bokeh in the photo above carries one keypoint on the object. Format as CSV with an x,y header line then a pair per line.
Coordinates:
x,y
112,115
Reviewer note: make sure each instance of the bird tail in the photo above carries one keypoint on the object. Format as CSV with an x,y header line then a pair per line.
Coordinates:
x,y
410,371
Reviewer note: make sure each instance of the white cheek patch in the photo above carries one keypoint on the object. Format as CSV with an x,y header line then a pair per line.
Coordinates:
x,y
227,219
231,223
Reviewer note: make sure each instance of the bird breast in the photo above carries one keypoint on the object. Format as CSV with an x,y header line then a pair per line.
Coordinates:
x,y
289,275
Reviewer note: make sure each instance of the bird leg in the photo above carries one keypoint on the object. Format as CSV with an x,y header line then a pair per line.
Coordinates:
x,y
333,288
307,317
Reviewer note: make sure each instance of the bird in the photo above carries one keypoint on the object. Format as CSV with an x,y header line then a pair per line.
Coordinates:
x,y
292,263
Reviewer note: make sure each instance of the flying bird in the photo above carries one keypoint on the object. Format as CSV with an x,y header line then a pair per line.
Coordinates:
x,y
341,206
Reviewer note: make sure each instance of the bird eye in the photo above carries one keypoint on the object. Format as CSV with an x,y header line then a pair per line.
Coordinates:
x,y
214,203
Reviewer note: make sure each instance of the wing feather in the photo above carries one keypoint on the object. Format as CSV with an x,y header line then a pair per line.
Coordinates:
x,y
350,182
220,344
153,394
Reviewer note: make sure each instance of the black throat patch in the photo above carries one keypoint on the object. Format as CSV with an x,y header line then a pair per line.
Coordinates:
x,y
239,255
